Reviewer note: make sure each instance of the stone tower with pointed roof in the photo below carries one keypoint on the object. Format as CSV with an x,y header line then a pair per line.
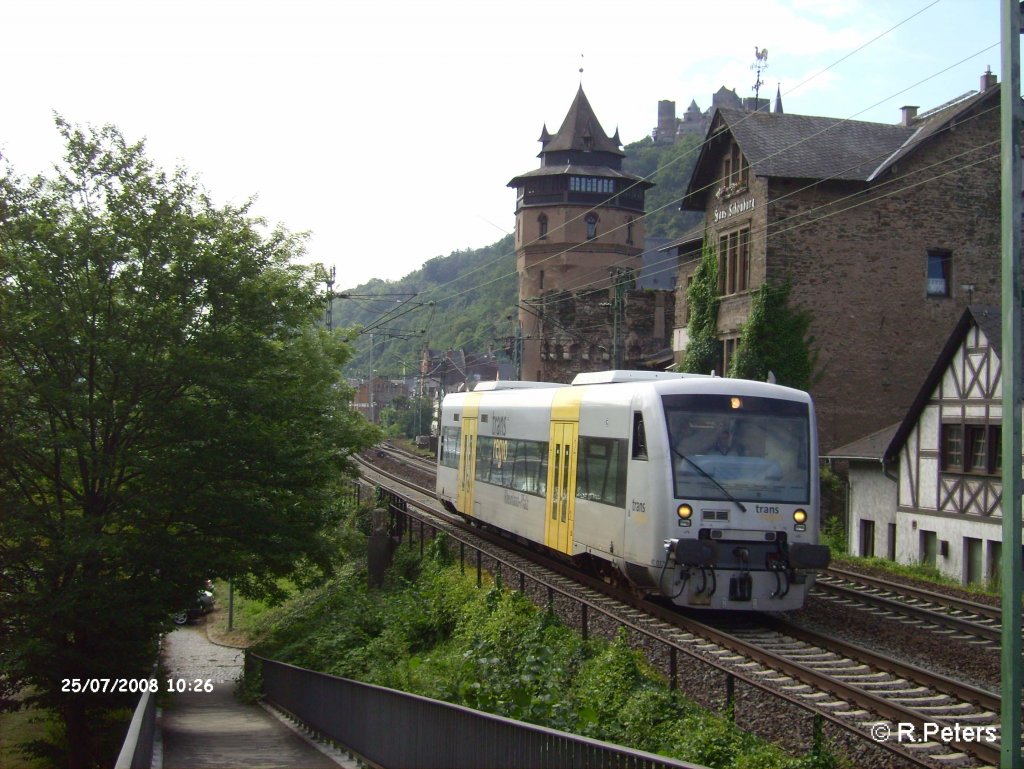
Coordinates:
x,y
578,218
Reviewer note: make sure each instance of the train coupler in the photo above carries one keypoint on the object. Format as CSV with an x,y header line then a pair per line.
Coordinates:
x,y
741,587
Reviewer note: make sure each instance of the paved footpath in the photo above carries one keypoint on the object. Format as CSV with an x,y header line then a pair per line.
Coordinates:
x,y
208,730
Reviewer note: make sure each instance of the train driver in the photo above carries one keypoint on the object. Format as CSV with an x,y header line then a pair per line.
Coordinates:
x,y
726,444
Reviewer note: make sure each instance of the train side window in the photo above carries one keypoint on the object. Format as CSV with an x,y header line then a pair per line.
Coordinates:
x,y
601,470
639,437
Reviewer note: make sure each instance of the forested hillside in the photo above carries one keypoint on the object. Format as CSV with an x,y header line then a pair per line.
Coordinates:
x,y
464,300
669,167
468,298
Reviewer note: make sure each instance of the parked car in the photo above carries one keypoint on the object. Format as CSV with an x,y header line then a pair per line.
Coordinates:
x,y
202,605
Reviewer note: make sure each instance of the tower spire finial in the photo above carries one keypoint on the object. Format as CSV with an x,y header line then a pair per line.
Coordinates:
x,y
581,70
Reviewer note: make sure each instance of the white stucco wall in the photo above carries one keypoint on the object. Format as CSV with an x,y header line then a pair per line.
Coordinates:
x,y
872,497
949,529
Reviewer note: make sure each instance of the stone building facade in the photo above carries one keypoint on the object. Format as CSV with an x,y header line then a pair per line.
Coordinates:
x,y
885,233
580,332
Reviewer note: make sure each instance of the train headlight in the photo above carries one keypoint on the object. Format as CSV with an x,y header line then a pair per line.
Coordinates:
x,y
685,513
800,516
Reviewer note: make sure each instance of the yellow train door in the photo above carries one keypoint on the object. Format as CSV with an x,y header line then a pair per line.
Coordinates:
x,y
560,503
467,454
560,506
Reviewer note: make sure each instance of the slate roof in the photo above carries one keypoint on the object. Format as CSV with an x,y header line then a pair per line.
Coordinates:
x,y
930,123
580,123
870,447
808,147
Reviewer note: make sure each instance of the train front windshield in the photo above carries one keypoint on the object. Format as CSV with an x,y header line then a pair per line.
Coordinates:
x,y
744,448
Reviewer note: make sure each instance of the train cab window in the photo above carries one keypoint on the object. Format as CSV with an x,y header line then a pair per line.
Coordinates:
x,y
639,437
450,446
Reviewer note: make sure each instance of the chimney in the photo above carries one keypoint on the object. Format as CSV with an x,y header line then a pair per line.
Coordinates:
x,y
988,79
909,113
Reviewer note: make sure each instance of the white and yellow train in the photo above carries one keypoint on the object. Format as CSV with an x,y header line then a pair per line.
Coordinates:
x,y
702,489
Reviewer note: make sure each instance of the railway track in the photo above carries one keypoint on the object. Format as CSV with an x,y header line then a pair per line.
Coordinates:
x,y
971,621
864,693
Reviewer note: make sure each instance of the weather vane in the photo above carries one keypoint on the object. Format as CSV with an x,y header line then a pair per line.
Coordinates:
x,y
760,65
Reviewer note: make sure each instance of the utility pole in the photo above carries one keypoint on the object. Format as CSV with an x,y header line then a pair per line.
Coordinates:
x,y
329,280
515,343
1012,579
621,277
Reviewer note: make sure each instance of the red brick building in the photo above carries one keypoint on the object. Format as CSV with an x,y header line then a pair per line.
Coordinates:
x,y
886,232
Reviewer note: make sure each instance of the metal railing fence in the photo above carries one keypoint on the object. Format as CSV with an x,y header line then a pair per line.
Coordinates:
x,y
137,750
392,729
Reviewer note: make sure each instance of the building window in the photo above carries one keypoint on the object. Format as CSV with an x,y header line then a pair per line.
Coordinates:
x,y
975,449
736,170
542,224
629,230
728,352
952,447
734,261
591,226
939,277
591,184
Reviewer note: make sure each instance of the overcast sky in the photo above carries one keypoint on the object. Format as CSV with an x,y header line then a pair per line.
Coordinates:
x,y
389,129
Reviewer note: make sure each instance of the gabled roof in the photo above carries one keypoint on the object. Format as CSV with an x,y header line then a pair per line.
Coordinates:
x,y
870,447
581,127
989,320
932,122
795,146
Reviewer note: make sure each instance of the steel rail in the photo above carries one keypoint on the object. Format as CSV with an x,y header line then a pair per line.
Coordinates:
x,y
960,624
922,594
940,683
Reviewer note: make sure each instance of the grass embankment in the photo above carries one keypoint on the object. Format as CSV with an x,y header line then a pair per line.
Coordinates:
x,y
432,632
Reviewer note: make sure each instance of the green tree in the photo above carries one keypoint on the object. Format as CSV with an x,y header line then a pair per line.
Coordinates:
x,y
169,411
775,339
407,417
703,350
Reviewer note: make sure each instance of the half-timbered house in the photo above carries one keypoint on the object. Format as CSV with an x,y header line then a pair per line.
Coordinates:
x,y
946,455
